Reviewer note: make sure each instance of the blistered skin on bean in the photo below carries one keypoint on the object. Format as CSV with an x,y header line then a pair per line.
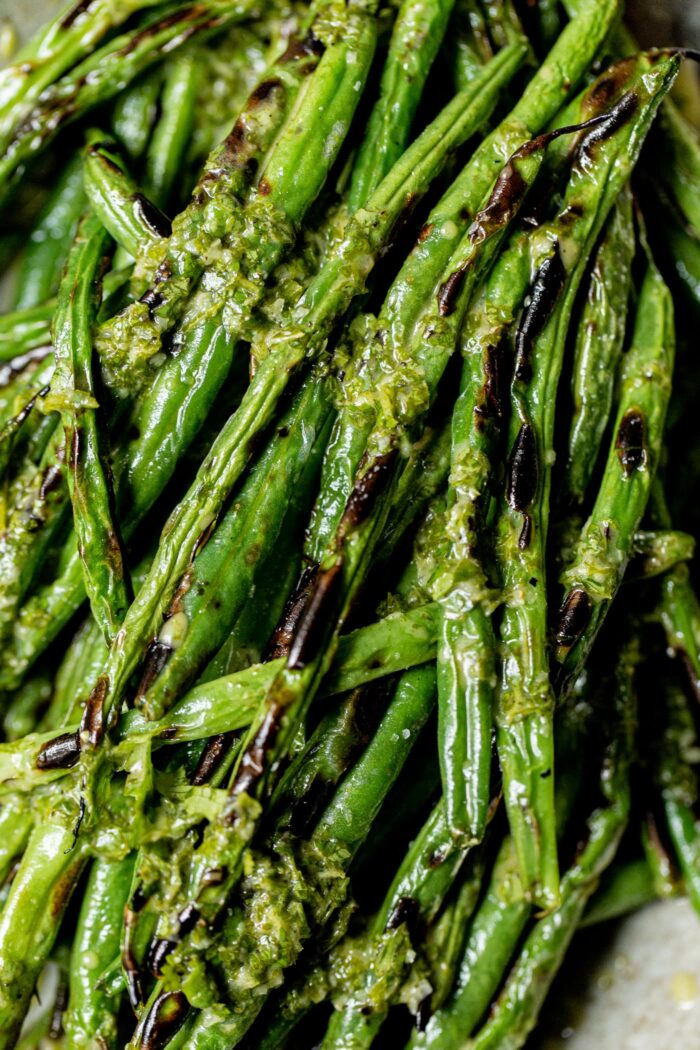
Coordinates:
x,y
573,617
546,288
630,442
523,470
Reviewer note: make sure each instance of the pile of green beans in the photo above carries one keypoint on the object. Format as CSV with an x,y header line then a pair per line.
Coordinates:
x,y
350,650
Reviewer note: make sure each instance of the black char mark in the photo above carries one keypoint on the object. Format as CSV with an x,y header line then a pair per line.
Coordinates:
x,y
316,616
60,753
158,953
490,402
164,1019
155,660
211,758
630,442
130,965
151,299
263,92
505,199
92,722
308,46
153,217
366,490
78,9
525,537
522,470
573,617
281,641
188,14
406,910
617,117
162,948
601,93
548,283
253,762
101,150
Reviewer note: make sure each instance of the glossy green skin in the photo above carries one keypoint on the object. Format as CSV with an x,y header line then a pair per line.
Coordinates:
x,y
526,699
674,766
16,823
25,329
76,675
352,433
515,1012
73,391
168,146
657,552
499,924
49,242
217,200
341,829
53,51
623,889
684,249
53,607
598,349
292,690
680,614
224,573
37,513
357,801
109,70
113,196
27,704
416,38
160,414
227,457
429,262
399,642
606,544
153,457
542,98
467,42
29,922
491,940
680,170
466,655
134,113
91,1016
422,881
445,939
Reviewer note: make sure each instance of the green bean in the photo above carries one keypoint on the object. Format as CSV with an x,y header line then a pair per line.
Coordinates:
x,y
419,888
29,922
606,542
53,51
166,150
418,31
134,113
73,393
491,941
599,340
100,76
676,778
526,699
50,240
623,889
43,616
656,553
91,1018
25,330
134,222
